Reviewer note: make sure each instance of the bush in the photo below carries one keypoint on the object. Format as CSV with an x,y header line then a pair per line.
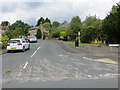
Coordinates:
x,y
85,39
63,33
4,45
44,35
96,42
12,33
5,38
4,41
55,33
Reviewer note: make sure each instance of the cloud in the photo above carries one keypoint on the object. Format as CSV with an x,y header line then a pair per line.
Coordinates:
x,y
8,7
26,11
93,7
119,2
61,10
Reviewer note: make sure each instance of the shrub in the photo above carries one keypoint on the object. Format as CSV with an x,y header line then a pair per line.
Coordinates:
x,y
5,38
4,41
96,42
63,33
85,39
44,35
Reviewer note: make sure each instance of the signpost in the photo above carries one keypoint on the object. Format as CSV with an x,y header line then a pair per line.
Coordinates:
x,y
79,36
77,40
114,45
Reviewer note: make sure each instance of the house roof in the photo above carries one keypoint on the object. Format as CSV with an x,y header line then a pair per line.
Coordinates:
x,y
63,26
3,27
34,28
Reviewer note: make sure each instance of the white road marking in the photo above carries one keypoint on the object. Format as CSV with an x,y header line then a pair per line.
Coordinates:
x,y
19,74
25,65
87,58
60,55
39,47
20,70
33,54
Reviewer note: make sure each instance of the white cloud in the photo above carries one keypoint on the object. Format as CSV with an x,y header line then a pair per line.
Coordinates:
x,y
91,7
56,10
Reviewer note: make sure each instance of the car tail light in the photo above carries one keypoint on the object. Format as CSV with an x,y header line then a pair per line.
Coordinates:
x,y
19,44
8,44
28,39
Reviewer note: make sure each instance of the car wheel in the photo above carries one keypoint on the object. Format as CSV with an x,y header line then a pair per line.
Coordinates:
x,y
23,49
8,51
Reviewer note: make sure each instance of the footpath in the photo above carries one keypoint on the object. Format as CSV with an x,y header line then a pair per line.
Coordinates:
x,y
3,51
104,54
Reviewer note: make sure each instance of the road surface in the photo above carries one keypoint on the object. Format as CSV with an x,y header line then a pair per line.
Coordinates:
x,y
47,65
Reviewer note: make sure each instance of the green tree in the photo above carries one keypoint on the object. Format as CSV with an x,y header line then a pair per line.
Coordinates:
x,y
46,25
17,24
47,20
16,29
21,27
5,23
39,34
55,24
114,9
91,29
26,32
65,22
54,33
11,33
40,21
111,26
57,32
75,27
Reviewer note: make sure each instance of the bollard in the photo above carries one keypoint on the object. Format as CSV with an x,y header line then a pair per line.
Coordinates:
x,y
76,43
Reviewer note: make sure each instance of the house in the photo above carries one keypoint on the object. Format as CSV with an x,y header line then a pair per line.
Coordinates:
x,y
33,30
64,26
4,27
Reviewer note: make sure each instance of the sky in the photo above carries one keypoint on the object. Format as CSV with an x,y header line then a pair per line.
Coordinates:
x,y
30,11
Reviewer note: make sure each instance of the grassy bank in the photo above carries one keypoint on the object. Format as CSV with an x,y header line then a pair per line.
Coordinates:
x,y
81,44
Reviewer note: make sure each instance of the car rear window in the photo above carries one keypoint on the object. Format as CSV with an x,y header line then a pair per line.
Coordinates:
x,y
14,41
32,37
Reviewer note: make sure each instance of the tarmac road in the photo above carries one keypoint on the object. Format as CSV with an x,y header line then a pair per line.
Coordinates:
x,y
47,65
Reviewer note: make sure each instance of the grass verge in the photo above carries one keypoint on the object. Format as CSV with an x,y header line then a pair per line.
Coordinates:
x,y
73,43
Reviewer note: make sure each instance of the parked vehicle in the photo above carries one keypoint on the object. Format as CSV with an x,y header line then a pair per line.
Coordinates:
x,y
32,39
28,39
23,37
18,44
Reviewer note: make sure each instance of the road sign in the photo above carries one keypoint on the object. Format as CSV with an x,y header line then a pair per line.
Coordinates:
x,y
79,33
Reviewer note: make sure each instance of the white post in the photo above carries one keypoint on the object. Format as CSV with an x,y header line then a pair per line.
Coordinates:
x,y
79,37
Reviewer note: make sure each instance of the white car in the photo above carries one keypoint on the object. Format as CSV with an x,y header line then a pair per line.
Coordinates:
x,y
32,39
18,44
